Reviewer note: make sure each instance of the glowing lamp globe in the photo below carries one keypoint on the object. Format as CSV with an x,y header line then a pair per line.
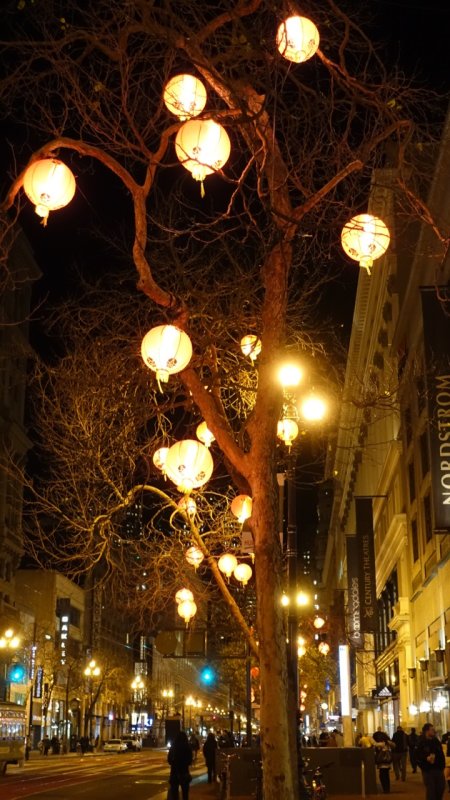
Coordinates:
x,y
287,431
318,622
254,672
166,350
159,458
301,650
189,464
365,238
194,556
50,185
243,573
241,507
251,346
297,39
205,435
185,96
290,375
203,147
313,408
227,564
188,505
323,648
187,609
182,595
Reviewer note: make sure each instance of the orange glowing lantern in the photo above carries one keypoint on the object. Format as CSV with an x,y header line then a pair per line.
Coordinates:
x,y
227,564
159,458
365,238
203,147
194,556
287,431
251,346
189,464
50,185
166,350
185,96
241,507
323,648
182,595
187,609
297,39
205,435
243,573
254,672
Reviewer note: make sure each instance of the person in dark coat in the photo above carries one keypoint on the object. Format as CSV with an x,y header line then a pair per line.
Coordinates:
x,y
413,740
180,759
431,760
400,754
209,754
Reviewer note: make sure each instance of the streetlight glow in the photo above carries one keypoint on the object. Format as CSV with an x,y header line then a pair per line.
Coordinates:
x,y
313,408
290,375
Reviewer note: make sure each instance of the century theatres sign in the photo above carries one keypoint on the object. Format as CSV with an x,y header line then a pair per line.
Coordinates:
x,y
436,332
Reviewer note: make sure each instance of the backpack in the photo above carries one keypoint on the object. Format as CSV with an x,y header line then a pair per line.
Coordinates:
x,y
383,755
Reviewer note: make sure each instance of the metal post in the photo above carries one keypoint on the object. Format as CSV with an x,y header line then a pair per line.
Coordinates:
x,y
291,568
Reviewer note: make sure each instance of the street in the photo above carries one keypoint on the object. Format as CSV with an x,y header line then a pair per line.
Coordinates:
x,y
92,777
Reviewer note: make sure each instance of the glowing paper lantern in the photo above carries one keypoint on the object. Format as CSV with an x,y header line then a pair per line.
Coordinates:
x,y
243,573
287,431
50,185
251,346
365,238
241,507
188,505
159,458
194,556
297,39
182,595
203,147
323,648
166,350
189,464
187,609
318,622
205,435
185,96
227,564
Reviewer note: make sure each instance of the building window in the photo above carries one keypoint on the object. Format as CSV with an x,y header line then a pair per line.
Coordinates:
x,y
414,540
427,519
424,454
411,482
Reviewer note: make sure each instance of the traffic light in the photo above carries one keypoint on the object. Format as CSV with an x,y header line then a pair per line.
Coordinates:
x,y
208,676
17,673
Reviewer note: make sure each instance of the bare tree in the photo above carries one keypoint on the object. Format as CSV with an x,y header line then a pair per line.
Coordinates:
x,y
305,140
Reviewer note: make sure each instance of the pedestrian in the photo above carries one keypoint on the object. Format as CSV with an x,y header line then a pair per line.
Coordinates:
x,y
431,760
383,760
400,754
339,738
446,746
209,754
55,745
366,740
332,741
195,746
45,745
180,759
380,735
413,740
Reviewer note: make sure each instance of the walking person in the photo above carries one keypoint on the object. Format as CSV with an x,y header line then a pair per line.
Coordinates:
x,y
195,746
446,748
209,754
431,760
400,754
180,759
383,761
413,740
45,745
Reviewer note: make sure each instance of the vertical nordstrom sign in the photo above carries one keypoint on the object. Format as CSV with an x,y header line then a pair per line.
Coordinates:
x,y
366,560
436,334
354,601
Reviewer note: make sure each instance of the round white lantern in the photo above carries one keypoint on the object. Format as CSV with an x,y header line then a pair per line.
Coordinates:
x,y
50,185
203,147
227,564
287,431
297,39
243,573
189,464
205,435
365,238
241,507
251,346
187,609
185,96
159,458
194,556
182,595
166,350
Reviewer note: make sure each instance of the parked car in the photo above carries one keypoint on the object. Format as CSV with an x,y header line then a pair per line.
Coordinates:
x,y
132,742
115,746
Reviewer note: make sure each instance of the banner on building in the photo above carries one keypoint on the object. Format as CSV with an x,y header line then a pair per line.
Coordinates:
x,y
366,563
436,334
353,601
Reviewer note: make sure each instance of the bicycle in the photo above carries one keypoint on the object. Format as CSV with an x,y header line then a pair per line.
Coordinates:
x,y
315,789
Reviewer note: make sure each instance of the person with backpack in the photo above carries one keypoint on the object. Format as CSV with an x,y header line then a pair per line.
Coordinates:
x,y
400,754
383,758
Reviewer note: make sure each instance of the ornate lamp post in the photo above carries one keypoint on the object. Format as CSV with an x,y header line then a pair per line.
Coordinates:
x,y
137,687
92,671
9,643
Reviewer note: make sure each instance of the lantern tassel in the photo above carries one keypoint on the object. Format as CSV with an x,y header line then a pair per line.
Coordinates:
x,y
202,189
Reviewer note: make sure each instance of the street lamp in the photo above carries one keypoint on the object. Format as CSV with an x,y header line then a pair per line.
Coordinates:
x,y
167,696
9,642
92,671
137,687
